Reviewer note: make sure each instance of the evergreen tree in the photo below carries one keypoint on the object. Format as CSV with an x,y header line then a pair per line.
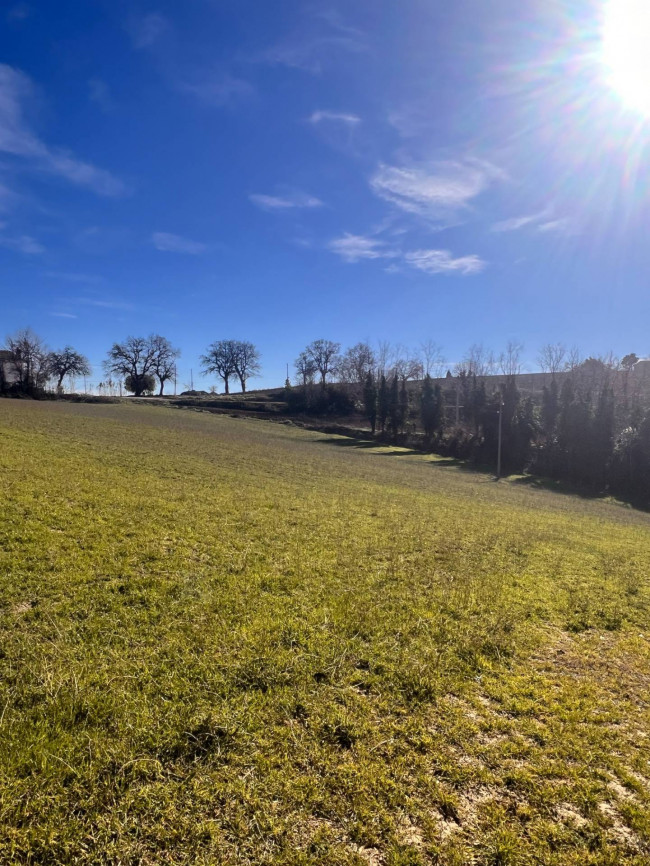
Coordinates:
x,y
603,437
430,407
382,403
370,400
403,405
394,407
550,410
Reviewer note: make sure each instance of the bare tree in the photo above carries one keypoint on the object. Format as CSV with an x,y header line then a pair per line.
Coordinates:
x,y
408,368
134,357
551,358
246,362
67,362
164,357
383,358
220,359
574,359
432,359
510,359
479,361
27,359
356,363
325,356
305,369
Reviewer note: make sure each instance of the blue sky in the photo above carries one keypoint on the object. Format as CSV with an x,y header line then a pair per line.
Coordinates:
x,y
278,172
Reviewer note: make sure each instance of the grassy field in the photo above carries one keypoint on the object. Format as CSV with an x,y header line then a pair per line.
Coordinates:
x,y
227,641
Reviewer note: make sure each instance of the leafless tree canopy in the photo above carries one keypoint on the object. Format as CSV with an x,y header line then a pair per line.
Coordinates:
x,y
28,359
478,361
163,365
66,362
139,357
324,354
551,358
305,369
356,363
510,359
220,359
432,359
246,361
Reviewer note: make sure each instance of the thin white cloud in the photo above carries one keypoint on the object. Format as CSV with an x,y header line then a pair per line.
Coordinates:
x,y
19,12
169,243
319,41
561,226
334,117
18,140
442,262
73,277
284,203
105,304
22,244
64,315
515,223
441,190
146,30
540,222
352,248
99,93
217,91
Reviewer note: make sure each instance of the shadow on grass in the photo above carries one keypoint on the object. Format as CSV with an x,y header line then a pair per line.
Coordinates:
x,y
532,482
437,461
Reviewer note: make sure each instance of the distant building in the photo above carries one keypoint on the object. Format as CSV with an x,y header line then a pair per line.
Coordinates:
x,y
641,369
8,374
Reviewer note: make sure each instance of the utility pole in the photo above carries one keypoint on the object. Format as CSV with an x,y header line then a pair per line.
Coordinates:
x,y
191,379
499,445
457,405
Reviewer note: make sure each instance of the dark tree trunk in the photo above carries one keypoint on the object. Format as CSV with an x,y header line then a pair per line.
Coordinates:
x,y
162,385
225,382
243,384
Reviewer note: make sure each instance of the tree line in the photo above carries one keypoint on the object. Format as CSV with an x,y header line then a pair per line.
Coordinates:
x,y
140,364
588,426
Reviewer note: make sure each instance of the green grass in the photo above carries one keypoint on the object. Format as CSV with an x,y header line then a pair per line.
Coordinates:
x,y
227,641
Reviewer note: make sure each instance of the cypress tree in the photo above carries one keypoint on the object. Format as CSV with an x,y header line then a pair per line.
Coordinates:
x,y
382,403
370,400
394,407
430,407
403,404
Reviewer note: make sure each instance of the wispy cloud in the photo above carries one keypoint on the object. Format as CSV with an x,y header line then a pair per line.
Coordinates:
x,y
217,91
334,117
542,221
352,248
319,41
99,93
169,243
439,191
64,315
105,304
73,277
146,30
22,244
17,139
562,225
19,12
285,202
442,262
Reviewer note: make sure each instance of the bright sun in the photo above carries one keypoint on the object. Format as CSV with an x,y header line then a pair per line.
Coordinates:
x,y
626,51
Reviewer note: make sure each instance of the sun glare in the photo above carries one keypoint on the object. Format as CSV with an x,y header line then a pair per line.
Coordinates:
x,y
626,51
